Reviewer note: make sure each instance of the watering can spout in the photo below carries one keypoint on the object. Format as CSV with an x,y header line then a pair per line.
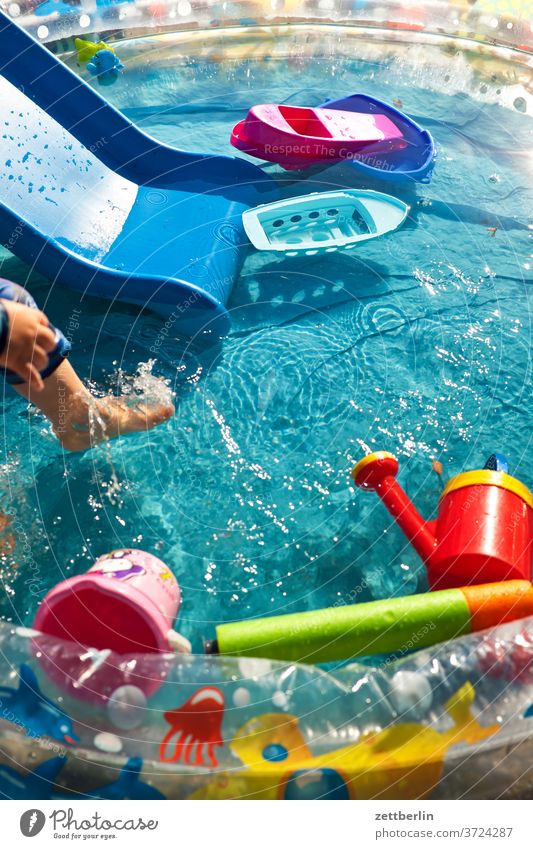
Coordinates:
x,y
378,472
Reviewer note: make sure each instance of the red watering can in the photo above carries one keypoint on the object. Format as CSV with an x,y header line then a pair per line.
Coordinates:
x,y
484,527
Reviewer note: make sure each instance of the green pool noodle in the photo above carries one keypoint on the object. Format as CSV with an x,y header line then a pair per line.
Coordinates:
x,y
356,630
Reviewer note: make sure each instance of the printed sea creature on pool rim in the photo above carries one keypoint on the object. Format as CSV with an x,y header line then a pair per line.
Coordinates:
x,y
106,67
506,662
128,785
102,61
195,729
37,784
28,708
404,761
86,50
53,7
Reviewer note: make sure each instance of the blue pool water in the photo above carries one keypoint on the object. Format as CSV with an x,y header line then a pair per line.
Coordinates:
x,y
418,344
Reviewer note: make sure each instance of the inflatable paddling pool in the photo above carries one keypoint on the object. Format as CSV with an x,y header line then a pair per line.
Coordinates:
x,y
250,733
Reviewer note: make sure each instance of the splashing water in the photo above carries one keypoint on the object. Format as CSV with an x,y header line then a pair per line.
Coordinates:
x,y
143,387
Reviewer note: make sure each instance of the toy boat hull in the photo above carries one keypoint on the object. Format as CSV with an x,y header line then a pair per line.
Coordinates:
x,y
414,163
323,222
299,136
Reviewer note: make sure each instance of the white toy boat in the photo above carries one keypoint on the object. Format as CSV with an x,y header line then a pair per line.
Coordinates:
x,y
323,222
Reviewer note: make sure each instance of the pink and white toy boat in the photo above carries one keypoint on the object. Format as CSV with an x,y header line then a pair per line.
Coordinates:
x,y
299,136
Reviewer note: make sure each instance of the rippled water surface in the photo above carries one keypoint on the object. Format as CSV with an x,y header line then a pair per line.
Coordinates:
x,y
418,344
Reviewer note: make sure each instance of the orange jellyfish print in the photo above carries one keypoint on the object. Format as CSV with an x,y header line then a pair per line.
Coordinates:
x,y
195,729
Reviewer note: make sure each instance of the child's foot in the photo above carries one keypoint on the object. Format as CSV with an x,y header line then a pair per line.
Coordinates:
x,y
96,420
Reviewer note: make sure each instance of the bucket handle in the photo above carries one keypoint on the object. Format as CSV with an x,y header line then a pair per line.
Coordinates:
x,y
178,643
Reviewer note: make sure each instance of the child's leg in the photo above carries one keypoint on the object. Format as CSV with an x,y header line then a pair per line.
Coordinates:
x,y
79,420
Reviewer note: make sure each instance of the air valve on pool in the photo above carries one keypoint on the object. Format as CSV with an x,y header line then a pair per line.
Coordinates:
x,y
484,527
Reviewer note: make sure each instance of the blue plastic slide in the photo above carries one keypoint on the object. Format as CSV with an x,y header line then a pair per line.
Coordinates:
x,y
93,202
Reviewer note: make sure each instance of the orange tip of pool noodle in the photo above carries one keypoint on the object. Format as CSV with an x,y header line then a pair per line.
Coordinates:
x,y
493,604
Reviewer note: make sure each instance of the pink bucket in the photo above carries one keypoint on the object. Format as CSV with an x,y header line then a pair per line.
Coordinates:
x,y
127,602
